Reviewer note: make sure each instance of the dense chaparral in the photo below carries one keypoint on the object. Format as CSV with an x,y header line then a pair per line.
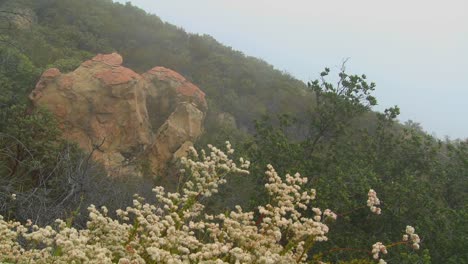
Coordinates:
x,y
177,230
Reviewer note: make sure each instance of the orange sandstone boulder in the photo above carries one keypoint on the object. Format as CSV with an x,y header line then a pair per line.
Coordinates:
x,y
135,119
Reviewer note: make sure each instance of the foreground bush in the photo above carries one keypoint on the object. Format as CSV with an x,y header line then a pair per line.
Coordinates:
x,y
176,229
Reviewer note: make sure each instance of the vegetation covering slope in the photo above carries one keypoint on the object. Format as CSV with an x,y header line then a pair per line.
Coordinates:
x,y
323,130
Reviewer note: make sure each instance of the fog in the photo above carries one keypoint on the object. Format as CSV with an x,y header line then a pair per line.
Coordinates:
x,y
416,51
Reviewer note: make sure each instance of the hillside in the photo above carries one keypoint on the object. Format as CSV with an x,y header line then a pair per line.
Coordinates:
x,y
325,129
65,33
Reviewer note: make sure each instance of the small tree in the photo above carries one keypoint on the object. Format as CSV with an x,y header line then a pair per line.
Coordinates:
x,y
337,105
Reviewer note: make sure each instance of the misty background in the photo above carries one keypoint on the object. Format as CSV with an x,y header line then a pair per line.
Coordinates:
x,y
415,51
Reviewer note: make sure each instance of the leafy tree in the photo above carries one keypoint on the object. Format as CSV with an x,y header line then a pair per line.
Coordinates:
x,y
337,105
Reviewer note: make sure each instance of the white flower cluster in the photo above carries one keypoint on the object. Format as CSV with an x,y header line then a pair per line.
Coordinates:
x,y
411,237
330,214
373,202
283,218
378,248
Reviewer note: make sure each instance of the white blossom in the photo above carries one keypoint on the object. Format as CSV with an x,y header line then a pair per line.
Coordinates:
x,y
177,229
373,202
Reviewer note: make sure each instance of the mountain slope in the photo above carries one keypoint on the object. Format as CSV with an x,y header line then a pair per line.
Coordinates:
x,y
341,145
67,32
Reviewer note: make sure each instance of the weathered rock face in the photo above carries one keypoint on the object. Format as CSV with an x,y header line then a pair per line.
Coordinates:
x,y
138,121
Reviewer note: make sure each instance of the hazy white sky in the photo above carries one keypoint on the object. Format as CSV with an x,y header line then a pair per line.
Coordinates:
x,y
415,50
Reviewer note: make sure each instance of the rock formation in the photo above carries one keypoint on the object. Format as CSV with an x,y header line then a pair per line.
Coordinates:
x,y
135,123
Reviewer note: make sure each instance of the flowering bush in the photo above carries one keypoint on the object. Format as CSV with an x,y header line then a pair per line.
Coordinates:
x,y
176,229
